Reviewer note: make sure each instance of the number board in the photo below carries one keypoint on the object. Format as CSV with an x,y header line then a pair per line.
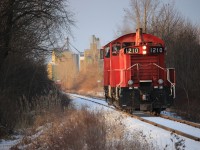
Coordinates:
x,y
131,50
156,50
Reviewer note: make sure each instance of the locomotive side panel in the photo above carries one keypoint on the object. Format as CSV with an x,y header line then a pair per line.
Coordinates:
x,y
106,72
125,75
114,71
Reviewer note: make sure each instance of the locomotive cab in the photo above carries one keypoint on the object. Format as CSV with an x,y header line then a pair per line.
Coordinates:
x,y
135,76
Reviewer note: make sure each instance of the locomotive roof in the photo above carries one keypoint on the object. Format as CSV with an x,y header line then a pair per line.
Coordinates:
x,y
147,38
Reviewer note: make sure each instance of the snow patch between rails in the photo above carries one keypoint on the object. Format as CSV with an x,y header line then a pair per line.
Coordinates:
x,y
159,137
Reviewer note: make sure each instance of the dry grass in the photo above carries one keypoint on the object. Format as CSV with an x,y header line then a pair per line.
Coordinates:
x,y
85,81
191,113
83,130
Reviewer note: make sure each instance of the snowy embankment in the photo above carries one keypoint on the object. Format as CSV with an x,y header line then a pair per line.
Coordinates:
x,y
7,144
159,137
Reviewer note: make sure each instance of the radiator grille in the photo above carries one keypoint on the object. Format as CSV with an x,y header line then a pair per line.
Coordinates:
x,y
145,70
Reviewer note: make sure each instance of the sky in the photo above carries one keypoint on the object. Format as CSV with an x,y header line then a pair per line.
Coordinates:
x,y
103,17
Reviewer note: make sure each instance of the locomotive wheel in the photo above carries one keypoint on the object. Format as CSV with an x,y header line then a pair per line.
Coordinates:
x,y
116,104
109,101
129,110
156,111
106,99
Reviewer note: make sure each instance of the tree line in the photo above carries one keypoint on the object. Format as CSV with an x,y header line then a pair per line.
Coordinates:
x,y
29,29
183,46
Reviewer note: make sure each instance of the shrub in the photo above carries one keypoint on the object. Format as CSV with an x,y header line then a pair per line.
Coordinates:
x,y
26,91
82,129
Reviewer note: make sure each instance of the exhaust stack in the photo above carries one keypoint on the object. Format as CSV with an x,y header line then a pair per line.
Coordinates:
x,y
139,38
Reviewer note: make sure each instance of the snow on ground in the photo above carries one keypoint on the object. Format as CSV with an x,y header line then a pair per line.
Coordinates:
x,y
171,114
160,137
7,144
175,125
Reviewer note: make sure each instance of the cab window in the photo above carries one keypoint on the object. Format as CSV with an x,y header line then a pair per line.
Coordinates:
x,y
107,52
128,44
116,48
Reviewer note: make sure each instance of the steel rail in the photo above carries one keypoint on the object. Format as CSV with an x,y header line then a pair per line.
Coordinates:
x,y
146,121
181,121
193,124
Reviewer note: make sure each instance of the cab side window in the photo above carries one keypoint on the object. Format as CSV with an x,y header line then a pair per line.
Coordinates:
x,y
128,44
116,48
107,52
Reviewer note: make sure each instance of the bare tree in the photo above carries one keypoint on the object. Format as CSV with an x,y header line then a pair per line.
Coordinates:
x,y
166,22
166,25
187,52
29,30
30,27
141,12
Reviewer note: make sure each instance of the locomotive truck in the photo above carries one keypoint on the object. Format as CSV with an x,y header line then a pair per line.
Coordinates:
x,y
135,73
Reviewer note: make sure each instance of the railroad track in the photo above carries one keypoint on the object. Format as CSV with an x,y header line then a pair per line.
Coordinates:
x,y
196,125
143,117
181,121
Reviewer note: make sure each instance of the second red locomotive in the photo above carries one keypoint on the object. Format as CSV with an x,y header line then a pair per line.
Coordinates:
x,y
135,73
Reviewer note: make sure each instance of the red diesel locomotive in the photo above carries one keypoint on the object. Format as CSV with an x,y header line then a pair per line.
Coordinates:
x,y
135,74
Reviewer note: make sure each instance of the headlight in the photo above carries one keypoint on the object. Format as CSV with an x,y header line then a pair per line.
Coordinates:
x,y
144,52
130,82
160,81
144,47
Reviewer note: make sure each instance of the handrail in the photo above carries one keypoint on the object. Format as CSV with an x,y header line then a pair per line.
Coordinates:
x,y
137,64
168,78
145,65
132,66
120,79
172,84
159,66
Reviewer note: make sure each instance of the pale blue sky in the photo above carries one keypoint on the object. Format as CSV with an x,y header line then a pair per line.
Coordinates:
x,y
102,17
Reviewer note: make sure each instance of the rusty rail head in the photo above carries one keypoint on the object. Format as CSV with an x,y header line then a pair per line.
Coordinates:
x,y
181,121
147,121
169,129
